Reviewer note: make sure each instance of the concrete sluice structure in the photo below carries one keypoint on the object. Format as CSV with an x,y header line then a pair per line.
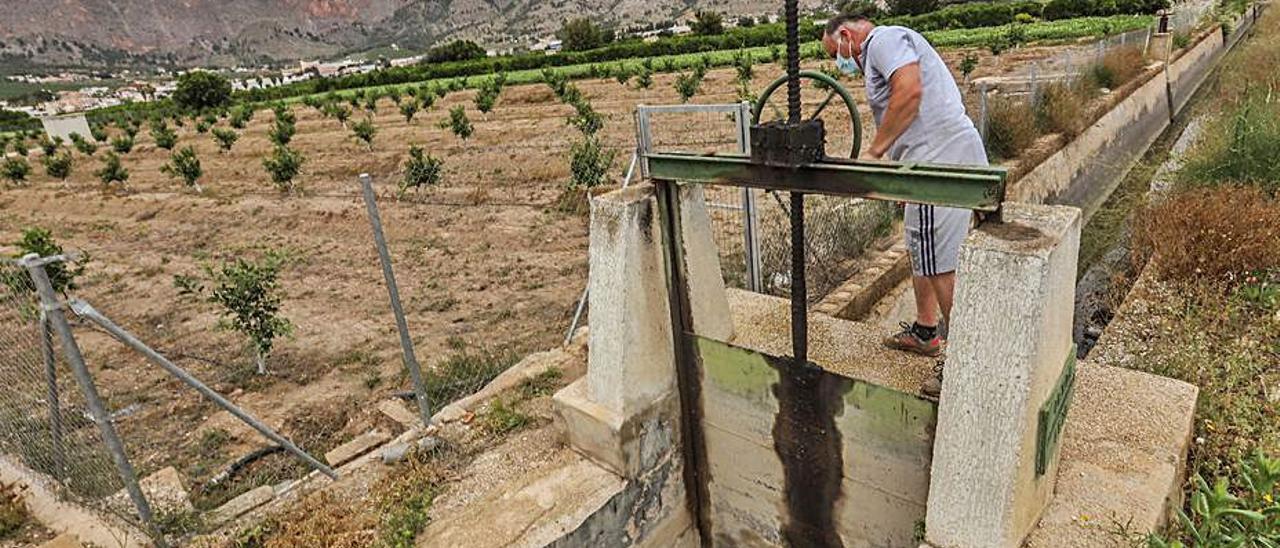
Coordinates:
x,y
756,450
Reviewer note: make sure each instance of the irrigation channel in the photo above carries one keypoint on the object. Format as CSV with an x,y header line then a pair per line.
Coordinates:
x,y
1107,269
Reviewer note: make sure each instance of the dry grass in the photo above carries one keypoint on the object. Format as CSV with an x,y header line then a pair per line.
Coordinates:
x,y
1063,108
1217,235
1011,127
1119,65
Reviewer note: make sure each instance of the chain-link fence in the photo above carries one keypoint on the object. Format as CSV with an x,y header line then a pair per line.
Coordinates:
x,y
46,425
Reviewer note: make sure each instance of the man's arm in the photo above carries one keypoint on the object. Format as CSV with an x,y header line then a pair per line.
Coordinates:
x,y
904,104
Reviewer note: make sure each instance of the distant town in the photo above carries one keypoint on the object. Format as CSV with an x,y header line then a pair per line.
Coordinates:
x,y
131,86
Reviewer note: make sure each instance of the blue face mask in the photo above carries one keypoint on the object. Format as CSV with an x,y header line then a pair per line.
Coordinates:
x,y
846,65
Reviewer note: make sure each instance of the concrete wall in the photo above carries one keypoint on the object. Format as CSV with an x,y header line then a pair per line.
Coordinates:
x,y
777,474
64,126
1084,172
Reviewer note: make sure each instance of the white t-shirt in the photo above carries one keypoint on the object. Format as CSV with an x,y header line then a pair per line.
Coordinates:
x,y
941,132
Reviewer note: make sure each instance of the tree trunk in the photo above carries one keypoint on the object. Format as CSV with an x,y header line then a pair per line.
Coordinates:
x,y
262,363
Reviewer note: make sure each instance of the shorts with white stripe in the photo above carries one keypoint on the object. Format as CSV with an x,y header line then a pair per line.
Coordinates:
x,y
934,235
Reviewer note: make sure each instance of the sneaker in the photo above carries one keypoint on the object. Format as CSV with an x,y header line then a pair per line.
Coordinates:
x,y
932,387
907,340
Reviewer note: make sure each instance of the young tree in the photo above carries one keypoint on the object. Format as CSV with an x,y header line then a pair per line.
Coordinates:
x,y
408,109
586,119
58,165
364,130
122,144
15,170
83,145
184,165
687,85
420,170
240,117
98,133
226,138
249,295
284,127
202,126
621,74
62,274
112,171
49,146
459,123
485,98
283,165
967,65
707,23
644,78
589,163
200,90
164,137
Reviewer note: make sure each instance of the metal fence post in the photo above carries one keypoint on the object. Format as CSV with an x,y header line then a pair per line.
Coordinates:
x,y
750,213
982,111
49,303
55,403
393,292
83,310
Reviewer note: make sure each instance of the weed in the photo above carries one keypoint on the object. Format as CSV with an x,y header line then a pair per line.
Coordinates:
x,y
1062,108
1011,127
179,522
1117,66
1239,147
213,440
465,371
503,418
405,499
1214,234
541,384
1243,512
13,513
1181,39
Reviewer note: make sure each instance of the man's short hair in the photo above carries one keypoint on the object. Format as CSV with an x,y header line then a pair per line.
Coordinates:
x,y
834,23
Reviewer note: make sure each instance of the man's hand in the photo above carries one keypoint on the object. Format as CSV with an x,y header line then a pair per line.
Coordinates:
x,y
905,90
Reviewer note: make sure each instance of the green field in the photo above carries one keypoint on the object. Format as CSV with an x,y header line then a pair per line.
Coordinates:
x,y
1044,31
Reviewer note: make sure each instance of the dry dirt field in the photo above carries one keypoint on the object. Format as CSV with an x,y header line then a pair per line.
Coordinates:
x,y
488,264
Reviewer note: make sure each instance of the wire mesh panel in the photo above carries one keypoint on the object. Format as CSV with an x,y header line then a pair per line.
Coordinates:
x,y
45,425
709,129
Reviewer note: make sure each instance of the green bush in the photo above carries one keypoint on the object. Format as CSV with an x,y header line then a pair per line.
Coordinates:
x,y
283,128
112,171
164,137
122,144
364,130
408,109
58,166
644,79
83,145
687,85
459,123
589,163
62,274
184,165
15,170
240,116
283,165
249,295
420,170
226,138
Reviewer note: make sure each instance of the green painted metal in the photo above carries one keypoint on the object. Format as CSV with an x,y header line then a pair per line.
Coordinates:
x,y
855,120
1053,415
969,187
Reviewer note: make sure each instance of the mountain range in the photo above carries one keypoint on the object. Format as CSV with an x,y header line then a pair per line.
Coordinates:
x,y
177,33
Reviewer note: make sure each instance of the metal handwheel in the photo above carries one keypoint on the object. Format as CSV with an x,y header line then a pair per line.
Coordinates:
x,y
835,90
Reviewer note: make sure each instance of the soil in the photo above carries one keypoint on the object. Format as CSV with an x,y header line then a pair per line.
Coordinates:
x,y
486,260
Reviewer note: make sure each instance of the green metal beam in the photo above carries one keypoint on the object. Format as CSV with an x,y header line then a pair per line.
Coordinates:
x,y
969,187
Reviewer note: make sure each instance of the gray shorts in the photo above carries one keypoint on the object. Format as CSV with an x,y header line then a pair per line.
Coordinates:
x,y
934,235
